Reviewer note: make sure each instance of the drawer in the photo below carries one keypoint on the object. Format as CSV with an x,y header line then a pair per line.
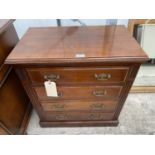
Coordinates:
x,y
104,106
78,75
80,92
78,116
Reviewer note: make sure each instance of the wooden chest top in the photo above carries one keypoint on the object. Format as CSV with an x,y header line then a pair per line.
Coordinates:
x,y
73,44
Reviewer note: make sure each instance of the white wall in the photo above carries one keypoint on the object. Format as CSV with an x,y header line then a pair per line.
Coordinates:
x,y
68,22
22,25
122,22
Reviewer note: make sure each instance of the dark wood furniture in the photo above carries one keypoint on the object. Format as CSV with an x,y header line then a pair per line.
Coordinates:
x,y
132,26
135,22
15,106
93,67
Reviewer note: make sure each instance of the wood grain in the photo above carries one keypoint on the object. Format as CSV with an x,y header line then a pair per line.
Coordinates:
x,y
102,43
80,92
14,103
8,42
78,75
78,116
4,24
106,49
78,105
78,123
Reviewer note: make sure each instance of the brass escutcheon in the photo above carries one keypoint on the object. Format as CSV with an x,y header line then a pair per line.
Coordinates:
x,y
52,77
99,92
58,106
102,76
97,106
61,117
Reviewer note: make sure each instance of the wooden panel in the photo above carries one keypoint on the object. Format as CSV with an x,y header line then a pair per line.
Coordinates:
x,y
79,123
12,108
81,92
80,116
15,107
3,132
8,40
4,71
4,24
90,105
78,75
53,45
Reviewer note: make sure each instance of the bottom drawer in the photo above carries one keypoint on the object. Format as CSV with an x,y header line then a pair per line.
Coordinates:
x,y
104,106
78,116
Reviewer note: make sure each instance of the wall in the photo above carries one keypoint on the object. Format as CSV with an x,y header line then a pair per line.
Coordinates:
x,y
22,25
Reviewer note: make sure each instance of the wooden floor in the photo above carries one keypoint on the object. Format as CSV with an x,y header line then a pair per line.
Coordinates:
x,y
143,89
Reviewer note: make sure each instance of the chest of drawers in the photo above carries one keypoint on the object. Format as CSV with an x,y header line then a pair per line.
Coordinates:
x,y
15,107
93,68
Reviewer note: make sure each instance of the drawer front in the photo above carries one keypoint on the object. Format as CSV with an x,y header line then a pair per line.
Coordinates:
x,y
104,106
78,116
80,92
78,75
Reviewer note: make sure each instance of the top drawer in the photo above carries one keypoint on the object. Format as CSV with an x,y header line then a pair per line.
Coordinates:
x,y
78,74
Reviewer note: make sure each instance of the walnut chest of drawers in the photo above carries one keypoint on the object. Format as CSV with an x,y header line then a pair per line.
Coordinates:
x,y
93,68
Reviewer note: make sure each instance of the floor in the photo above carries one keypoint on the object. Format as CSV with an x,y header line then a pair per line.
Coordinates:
x,y
146,76
137,116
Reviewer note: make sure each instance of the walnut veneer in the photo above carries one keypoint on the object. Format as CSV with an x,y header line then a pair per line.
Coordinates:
x,y
15,106
93,67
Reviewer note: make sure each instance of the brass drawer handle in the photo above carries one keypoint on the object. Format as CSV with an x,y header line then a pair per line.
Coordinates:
x,y
58,106
102,76
52,77
61,117
99,92
96,116
97,106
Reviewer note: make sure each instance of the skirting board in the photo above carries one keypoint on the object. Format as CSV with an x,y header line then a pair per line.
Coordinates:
x,y
142,89
79,124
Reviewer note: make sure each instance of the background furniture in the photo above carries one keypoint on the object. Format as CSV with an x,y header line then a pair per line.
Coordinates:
x,y
15,106
135,22
132,25
93,67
